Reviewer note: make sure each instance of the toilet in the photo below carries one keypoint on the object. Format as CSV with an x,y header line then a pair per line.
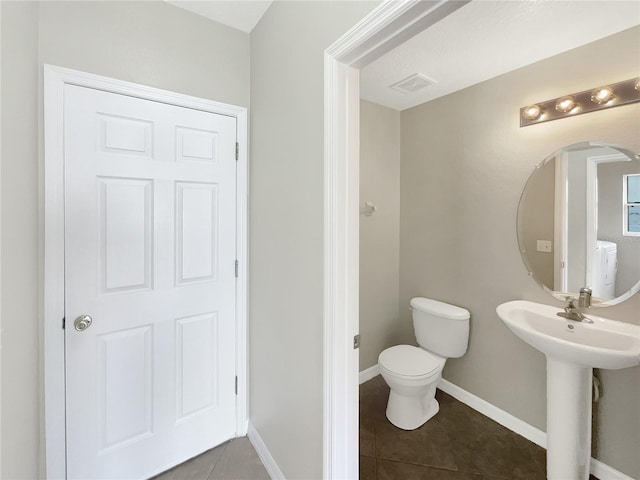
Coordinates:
x,y
413,373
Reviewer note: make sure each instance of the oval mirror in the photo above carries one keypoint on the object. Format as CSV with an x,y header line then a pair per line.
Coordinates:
x,y
579,222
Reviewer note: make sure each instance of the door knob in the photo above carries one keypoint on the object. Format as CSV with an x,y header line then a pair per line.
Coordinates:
x,y
82,322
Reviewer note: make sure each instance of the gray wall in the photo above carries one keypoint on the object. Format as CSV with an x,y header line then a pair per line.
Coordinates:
x,y
148,42
19,175
380,233
152,43
536,211
464,163
286,246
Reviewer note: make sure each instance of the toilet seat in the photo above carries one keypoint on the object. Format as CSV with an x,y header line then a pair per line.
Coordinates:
x,y
410,362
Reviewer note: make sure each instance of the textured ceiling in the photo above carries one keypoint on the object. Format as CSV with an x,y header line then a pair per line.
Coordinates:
x,y
485,38
239,14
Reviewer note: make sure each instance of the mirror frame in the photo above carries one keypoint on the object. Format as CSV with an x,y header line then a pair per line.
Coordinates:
x,y
563,295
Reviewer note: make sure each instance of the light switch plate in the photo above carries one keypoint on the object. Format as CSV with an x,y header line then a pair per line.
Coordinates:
x,y
544,246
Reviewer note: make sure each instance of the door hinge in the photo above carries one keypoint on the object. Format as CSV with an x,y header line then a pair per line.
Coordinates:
x,y
236,384
237,151
356,342
63,322
236,268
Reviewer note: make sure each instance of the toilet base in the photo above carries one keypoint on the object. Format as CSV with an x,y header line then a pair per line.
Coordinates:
x,y
409,413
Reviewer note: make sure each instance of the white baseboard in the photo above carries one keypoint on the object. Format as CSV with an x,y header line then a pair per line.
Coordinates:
x,y
263,452
531,433
496,414
605,472
369,373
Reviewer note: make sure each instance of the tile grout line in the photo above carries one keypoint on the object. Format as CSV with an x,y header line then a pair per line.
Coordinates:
x,y
224,450
375,451
430,467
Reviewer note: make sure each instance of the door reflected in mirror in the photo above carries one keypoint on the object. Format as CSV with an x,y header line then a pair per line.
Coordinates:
x,y
579,222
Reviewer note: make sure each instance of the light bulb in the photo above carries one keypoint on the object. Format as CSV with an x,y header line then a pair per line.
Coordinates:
x,y
601,95
532,112
565,104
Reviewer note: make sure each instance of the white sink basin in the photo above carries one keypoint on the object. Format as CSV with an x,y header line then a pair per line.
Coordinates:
x,y
602,344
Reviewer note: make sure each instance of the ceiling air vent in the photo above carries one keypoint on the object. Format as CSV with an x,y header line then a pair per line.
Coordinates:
x,y
412,83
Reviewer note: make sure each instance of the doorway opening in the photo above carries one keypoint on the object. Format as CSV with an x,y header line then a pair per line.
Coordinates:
x,y
388,26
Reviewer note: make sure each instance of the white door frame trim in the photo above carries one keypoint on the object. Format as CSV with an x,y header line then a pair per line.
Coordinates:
x,y
560,225
384,28
591,203
55,79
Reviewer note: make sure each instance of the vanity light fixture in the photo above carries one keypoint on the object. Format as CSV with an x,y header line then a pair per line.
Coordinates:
x,y
607,96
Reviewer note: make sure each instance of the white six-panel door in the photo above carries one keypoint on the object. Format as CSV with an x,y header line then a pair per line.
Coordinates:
x,y
150,256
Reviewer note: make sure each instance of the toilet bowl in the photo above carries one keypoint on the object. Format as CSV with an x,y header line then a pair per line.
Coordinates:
x,y
413,373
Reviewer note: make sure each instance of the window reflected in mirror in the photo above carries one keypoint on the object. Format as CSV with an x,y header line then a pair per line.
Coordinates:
x,y
632,205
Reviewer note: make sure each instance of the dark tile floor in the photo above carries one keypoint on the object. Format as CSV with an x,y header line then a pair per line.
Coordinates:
x,y
457,444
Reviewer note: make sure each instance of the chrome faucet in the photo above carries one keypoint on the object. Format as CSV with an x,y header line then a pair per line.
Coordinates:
x,y
571,312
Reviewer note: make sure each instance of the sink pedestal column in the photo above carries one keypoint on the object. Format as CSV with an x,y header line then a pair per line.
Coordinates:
x,y
568,420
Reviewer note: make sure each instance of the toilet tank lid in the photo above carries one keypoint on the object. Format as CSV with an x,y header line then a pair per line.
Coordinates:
x,y
440,309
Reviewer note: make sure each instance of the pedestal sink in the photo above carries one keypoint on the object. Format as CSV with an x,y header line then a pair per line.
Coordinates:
x,y
573,349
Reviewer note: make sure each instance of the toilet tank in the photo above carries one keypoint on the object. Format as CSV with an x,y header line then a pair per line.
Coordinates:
x,y
440,328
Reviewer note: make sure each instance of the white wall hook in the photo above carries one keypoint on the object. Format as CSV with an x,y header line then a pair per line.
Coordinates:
x,y
368,209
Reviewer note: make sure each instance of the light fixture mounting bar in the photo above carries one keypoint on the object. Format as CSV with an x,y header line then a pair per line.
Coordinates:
x,y
599,98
